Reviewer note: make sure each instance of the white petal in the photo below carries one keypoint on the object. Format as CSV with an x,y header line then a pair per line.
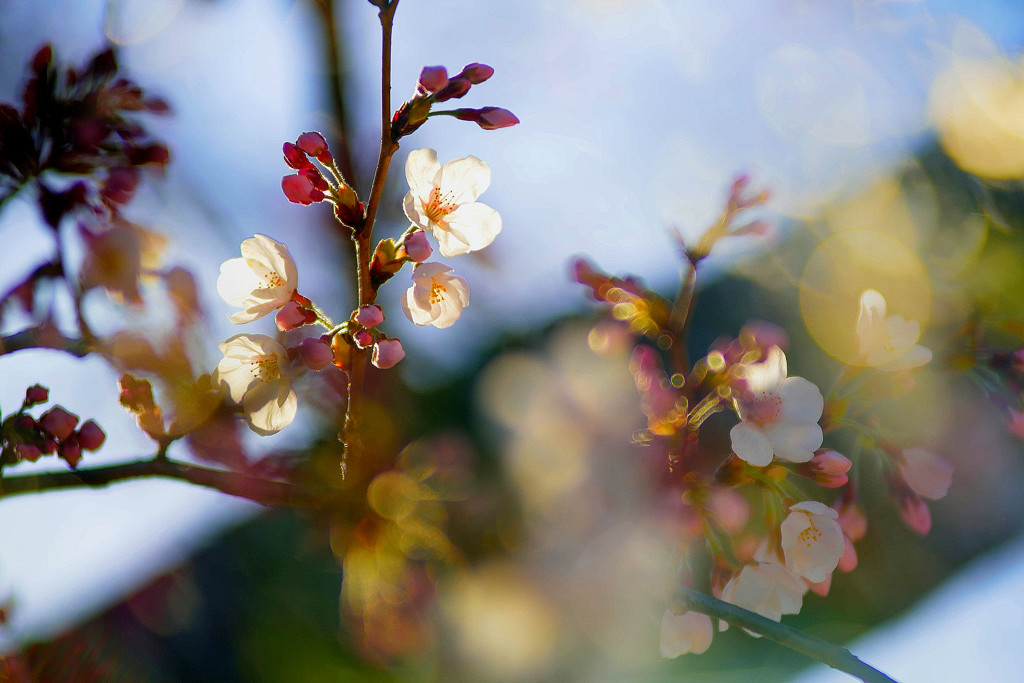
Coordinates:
x,y
274,415
413,207
915,357
236,281
450,240
801,400
233,376
479,223
751,445
273,256
870,322
795,442
421,167
417,311
768,374
465,178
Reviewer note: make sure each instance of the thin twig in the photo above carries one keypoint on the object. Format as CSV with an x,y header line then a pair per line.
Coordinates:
x,y
837,657
257,489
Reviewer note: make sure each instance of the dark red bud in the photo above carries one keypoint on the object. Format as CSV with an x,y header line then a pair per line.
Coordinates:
x,y
476,73
492,118
70,450
36,394
456,88
58,422
299,189
433,78
91,436
314,145
295,157
27,451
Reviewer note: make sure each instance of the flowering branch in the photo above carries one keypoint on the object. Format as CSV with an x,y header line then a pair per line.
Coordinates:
x,y
43,338
837,657
257,489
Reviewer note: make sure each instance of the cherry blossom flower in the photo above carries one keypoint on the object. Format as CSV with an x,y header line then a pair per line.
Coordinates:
x,y
255,373
436,297
888,342
812,540
779,414
262,280
442,199
767,588
685,633
926,473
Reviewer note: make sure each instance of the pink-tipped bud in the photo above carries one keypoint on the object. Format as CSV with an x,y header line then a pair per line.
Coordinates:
x,y
852,521
848,560
822,587
315,145
477,73
58,422
456,88
433,78
363,338
916,514
417,248
830,468
300,189
27,451
90,436
36,394
70,450
929,475
315,353
492,118
369,316
295,157
292,316
387,353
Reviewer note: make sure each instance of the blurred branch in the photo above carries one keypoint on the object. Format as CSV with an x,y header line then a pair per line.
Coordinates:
x,y
335,59
838,658
263,491
43,338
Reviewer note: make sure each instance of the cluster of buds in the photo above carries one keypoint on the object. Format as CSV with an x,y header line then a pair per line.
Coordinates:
x,y
24,437
434,86
309,184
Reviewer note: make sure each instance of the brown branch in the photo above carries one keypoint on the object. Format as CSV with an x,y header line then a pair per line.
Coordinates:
x,y
257,489
363,237
43,338
335,59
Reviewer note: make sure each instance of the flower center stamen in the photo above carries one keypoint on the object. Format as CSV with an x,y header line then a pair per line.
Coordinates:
x,y
810,535
437,291
265,369
440,205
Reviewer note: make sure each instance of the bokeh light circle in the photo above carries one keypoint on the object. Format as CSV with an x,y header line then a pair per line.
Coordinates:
x,y
845,265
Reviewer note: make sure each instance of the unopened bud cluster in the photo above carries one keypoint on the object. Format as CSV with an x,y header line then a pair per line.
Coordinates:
x,y
23,437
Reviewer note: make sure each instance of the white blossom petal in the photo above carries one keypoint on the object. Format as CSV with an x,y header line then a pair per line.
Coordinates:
x,y
464,179
751,444
478,223
812,540
689,632
421,169
795,442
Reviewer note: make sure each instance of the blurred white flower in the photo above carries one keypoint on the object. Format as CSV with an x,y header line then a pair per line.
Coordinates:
x,y
779,414
256,374
443,199
435,298
926,473
888,343
767,588
262,280
812,540
685,633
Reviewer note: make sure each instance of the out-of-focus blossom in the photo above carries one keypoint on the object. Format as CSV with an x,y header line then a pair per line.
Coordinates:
x,y
848,560
821,587
436,297
387,353
315,353
1015,423
36,394
70,450
888,342
926,473
58,422
91,435
767,588
261,281
442,199
255,373
812,540
689,632
117,258
852,520
779,414
916,514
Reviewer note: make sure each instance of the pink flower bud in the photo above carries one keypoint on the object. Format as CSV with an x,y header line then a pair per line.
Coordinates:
x,y
47,446
476,73
299,188
492,118
369,316
315,353
848,560
315,145
58,422
295,157
456,88
27,451
290,317
70,450
433,78
926,473
822,587
387,353
852,521
36,394
417,247
916,514
363,338
830,468
90,436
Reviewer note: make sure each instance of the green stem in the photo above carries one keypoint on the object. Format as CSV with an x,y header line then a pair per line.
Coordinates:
x,y
837,657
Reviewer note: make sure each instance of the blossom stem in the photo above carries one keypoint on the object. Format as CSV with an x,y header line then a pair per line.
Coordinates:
x,y
362,236
837,657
